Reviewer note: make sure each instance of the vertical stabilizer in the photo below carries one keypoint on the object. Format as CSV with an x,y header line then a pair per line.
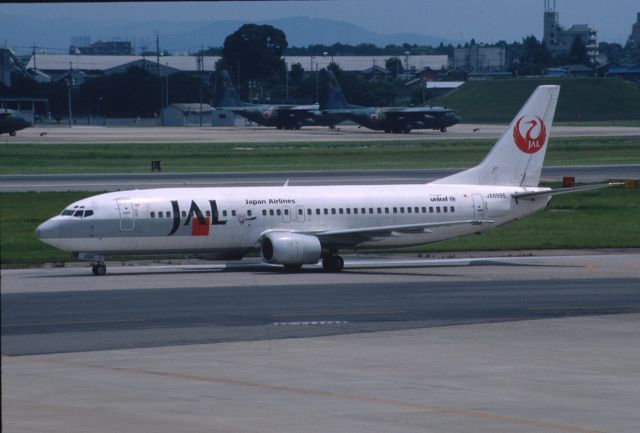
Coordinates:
x,y
516,158
228,95
332,96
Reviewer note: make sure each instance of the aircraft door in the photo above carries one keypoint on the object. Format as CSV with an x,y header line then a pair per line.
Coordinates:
x,y
127,221
479,207
286,214
300,214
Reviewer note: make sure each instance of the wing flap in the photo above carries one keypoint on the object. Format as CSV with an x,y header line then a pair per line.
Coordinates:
x,y
552,192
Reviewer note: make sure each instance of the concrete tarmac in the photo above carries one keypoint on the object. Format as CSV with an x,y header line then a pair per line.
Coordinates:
x,y
398,345
113,182
101,134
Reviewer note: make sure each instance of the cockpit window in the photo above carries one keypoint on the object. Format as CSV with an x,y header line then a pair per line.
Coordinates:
x,y
88,213
78,214
67,212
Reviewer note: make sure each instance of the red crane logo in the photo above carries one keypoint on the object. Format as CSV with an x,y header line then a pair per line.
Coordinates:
x,y
529,144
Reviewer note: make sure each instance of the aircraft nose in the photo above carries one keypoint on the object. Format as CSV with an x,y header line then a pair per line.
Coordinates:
x,y
49,229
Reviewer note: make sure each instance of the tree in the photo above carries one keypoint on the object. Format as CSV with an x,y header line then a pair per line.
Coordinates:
x,y
578,54
394,66
534,58
297,73
255,52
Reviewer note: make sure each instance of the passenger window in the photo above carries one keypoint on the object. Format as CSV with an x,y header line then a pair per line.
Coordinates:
x,y
326,211
386,210
437,209
224,213
370,210
159,214
168,214
208,213
153,214
409,209
264,212
424,209
416,209
248,212
348,211
340,211
184,213
271,212
430,209
355,210
286,211
318,211
309,212
379,210
453,209
363,211
278,212
395,210
444,209
333,211
300,212
233,213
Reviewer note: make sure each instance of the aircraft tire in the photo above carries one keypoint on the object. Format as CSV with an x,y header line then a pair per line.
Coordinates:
x,y
99,269
443,130
331,263
12,133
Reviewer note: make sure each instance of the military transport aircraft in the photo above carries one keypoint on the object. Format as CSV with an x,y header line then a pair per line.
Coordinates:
x,y
10,122
387,119
280,116
298,225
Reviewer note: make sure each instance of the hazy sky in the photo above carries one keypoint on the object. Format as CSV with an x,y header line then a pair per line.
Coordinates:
x,y
484,20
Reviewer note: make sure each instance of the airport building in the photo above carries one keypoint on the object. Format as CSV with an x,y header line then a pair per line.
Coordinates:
x,y
478,58
187,115
559,40
634,37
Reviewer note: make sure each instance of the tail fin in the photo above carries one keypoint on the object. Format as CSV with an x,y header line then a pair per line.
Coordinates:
x,y
227,95
516,158
331,96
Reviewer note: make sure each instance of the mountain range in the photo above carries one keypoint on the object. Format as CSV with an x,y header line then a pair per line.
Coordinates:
x,y
22,32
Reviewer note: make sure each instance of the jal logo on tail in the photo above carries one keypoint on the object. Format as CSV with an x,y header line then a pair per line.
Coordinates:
x,y
535,134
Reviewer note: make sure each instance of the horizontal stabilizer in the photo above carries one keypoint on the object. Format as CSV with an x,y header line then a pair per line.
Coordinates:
x,y
552,192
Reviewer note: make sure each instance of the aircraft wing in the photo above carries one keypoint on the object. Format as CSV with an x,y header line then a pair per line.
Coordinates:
x,y
413,113
343,238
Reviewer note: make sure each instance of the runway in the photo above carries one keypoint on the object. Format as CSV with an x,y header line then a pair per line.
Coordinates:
x,y
67,310
516,344
113,182
101,134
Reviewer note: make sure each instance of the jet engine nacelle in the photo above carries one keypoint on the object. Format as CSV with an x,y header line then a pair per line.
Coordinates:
x,y
285,248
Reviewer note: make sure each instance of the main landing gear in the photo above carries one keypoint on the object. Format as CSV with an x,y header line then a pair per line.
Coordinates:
x,y
99,269
332,263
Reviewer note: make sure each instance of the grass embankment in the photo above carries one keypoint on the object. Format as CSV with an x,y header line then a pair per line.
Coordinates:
x,y
190,157
581,99
598,219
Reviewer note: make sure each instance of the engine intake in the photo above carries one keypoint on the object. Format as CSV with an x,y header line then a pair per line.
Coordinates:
x,y
285,248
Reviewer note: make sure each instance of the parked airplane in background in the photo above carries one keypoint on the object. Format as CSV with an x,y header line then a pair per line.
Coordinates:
x,y
298,225
280,116
387,119
10,122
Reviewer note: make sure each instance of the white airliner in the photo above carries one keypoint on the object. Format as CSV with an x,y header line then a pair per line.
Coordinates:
x,y
298,225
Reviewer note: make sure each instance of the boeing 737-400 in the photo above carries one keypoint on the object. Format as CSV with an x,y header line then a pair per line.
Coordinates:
x,y
298,225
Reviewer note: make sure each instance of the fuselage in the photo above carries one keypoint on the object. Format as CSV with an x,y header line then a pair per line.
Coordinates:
x,y
230,221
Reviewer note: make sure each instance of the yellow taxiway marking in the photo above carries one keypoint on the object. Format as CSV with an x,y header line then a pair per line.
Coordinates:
x,y
71,322
419,407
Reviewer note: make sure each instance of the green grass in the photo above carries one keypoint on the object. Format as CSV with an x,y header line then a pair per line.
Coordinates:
x,y
597,219
581,99
192,157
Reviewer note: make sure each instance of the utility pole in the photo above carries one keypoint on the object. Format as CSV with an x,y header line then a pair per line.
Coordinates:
x,y
33,53
200,61
69,83
286,80
157,53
